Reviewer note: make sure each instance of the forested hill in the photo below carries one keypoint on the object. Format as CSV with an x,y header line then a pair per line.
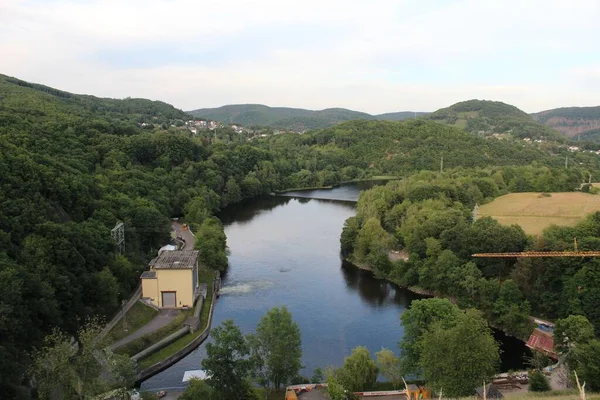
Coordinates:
x,y
72,166
296,119
137,110
577,122
493,117
385,147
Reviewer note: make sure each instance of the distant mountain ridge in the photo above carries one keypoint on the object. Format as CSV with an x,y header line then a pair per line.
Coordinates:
x,y
493,117
580,122
297,119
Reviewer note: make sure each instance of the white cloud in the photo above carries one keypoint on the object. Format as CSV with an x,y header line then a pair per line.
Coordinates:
x,y
376,56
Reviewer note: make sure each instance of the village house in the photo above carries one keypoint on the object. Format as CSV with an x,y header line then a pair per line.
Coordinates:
x,y
172,280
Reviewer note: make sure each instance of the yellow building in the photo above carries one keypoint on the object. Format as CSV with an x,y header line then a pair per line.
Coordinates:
x,y
172,279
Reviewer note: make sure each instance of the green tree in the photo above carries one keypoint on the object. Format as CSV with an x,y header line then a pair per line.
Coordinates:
x,y
212,241
318,376
572,331
457,359
198,389
511,311
348,237
587,364
335,389
538,382
276,348
371,239
389,366
227,361
231,193
359,371
421,316
78,370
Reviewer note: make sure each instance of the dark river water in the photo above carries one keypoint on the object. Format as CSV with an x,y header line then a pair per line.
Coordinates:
x,y
284,250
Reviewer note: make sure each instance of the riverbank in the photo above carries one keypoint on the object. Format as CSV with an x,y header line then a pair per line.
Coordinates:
x,y
413,289
329,187
428,293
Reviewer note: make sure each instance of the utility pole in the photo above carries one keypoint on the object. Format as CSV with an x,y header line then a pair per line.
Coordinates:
x,y
123,302
118,235
442,164
566,162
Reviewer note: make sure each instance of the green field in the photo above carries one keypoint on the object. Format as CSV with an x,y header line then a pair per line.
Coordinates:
x,y
534,212
137,316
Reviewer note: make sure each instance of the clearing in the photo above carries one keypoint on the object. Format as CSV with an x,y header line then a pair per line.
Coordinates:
x,y
536,211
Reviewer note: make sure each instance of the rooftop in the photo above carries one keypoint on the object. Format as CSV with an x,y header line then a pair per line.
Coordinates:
x,y
175,259
148,275
542,341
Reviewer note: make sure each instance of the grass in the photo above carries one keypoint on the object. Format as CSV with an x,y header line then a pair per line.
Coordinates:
x,y
534,212
134,347
205,277
553,395
137,316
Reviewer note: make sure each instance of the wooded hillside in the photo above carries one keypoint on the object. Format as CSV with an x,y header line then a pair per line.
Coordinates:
x,y
71,166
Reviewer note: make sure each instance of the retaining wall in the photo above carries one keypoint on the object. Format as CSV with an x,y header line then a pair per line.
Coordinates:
x,y
132,300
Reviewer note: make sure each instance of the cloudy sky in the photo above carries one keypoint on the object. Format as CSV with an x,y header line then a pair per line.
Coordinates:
x,y
370,55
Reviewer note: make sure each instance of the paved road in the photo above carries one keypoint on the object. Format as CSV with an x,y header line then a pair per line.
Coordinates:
x,y
190,240
163,318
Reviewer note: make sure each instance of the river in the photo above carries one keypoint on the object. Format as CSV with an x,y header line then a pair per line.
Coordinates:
x,y
284,250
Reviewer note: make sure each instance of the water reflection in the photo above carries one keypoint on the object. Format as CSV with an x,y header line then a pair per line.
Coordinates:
x,y
375,292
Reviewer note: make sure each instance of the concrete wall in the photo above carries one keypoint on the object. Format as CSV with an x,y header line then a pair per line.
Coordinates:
x,y
166,363
132,300
176,280
150,290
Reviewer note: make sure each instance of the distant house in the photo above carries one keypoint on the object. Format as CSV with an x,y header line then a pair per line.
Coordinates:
x,y
172,279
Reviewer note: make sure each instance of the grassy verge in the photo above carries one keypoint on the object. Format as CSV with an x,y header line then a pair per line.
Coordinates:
x,y
137,316
148,340
203,276
553,395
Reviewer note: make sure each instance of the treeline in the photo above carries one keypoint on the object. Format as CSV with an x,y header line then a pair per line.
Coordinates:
x,y
430,217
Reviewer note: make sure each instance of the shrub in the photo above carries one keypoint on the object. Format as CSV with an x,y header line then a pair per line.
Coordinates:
x,y
538,382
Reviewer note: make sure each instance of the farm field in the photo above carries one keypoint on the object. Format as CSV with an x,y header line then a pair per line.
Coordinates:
x,y
534,211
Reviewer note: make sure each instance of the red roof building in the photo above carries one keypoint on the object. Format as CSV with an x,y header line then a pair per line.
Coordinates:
x,y
542,341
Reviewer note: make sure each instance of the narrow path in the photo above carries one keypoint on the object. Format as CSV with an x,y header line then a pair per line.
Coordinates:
x,y
190,240
163,318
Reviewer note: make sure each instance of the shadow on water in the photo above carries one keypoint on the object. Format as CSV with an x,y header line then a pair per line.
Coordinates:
x,y
376,292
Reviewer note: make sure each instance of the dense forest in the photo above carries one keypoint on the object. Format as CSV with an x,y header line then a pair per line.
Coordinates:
x,y
493,117
72,166
296,119
430,216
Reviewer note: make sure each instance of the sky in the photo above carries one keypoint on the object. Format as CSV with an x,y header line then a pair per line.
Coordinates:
x,y
374,56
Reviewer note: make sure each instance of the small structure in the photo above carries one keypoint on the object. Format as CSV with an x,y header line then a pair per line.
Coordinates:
x,y
307,392
491,392
172,279
542,339
318,391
